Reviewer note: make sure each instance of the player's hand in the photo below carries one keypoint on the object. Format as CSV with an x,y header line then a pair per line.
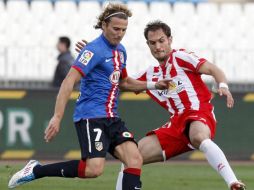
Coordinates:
x,y
162,84
80,45
52,130
227,93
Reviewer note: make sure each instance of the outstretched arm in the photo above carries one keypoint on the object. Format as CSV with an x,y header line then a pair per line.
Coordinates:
x,y
61,101
133,85
219,76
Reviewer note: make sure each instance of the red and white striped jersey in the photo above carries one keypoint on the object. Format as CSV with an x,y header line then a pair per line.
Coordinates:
x,y
187,90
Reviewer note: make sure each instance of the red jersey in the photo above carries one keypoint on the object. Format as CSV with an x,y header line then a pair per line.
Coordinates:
x,y
187,90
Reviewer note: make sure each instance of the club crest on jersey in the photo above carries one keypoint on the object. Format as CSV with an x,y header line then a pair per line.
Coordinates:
x,y
127,134
99,146
115,76
86,57
121,57
176,86
172,86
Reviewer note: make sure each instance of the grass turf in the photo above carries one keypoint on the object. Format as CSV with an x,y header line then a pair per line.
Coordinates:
x,y
164,176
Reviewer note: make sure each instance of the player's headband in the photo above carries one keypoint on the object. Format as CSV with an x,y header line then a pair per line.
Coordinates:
x,y
113,14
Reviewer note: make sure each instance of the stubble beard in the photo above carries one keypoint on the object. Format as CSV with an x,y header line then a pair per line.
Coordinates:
x,y
162,60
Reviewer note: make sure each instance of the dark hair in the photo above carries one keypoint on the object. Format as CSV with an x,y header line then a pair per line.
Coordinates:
x,y
65,40
156,25
121,11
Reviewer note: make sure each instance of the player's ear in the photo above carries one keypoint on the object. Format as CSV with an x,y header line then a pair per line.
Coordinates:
x,y
103,25
170,39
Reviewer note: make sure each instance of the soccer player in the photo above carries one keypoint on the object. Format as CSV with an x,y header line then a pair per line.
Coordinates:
x,y
192,123
101,67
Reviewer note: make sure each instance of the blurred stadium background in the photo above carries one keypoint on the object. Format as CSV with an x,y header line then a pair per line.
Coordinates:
x,y
220,30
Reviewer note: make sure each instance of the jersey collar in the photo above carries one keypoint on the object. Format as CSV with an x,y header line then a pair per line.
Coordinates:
x,y
169,60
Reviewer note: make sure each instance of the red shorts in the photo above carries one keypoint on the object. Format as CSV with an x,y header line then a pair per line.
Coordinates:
x,y
172,136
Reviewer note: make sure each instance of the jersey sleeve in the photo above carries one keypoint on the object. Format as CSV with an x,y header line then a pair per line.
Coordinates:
x,y
124,73
189,61
87,59
141,76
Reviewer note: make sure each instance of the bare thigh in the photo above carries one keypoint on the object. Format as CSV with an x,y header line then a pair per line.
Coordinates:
x,y
198,132
150,149
129,154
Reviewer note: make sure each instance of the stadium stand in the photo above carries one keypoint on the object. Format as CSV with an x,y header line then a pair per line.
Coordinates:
x,y
222,32
1,6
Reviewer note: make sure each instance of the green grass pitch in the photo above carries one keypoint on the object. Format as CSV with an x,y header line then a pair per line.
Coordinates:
x,y
163,176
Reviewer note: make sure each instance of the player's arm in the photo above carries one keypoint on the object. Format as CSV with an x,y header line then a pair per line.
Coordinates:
x,y
62,98
133,85
219,76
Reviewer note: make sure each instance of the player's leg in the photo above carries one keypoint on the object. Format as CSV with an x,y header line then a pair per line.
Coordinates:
x,y
199,135
85,168
160,145
94,145
93,154
129,154
75,168
150,150
124,147
70,169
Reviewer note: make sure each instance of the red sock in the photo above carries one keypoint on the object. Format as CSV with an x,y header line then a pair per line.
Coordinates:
x,y
131,179
134,171
81,169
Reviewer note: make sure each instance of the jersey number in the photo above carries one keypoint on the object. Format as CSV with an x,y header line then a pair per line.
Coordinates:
x,y
98,135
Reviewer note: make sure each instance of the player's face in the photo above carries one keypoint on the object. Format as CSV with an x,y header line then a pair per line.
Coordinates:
x,y
115,30
159,44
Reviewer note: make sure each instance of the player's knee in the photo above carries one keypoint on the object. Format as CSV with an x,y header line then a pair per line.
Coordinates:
x,y
135,161
198,133
95,169
97,172
197,139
